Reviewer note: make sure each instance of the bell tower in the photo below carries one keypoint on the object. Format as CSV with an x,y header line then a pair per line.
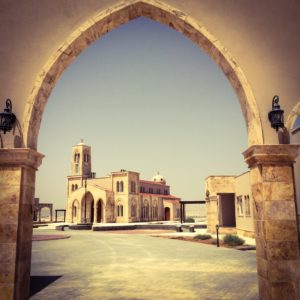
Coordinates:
x,y
81,160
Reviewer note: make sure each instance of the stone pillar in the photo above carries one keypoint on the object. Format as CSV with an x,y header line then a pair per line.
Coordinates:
x,y
17,173
275,220
95,210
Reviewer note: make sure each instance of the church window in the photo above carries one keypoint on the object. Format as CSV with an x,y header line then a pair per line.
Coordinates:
x,y
118,186
76,187
73,187
76,168
76,157
247,206
121,186
239,202
86,158
120,210
133,209
133,187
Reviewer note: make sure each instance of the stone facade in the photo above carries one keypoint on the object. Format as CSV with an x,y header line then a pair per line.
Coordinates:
x,y
275,220
17,173
120,197
229,204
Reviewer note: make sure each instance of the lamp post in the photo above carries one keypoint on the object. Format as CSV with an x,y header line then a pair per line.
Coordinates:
x,y
276,114
217,229
7,118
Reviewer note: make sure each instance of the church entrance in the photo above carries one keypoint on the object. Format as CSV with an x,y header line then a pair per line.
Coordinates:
x,y
87,208
167,213
99,211
92,211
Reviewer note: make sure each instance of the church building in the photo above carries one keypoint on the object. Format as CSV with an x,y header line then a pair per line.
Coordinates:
x,y
120,197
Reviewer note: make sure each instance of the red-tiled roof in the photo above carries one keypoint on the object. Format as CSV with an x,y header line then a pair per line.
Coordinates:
x,y
161,196
172,201
153,182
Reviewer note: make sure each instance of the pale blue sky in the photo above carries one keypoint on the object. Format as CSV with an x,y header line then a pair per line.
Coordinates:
x,y
146,99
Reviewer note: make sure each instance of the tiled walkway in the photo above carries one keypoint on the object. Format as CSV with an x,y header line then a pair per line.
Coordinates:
x,y
102,265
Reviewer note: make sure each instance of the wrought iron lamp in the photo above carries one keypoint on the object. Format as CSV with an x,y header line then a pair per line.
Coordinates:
x,y
7,118
276,114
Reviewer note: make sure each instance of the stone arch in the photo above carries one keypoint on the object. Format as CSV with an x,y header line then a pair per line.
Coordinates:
x,y
100,208
291,119
75,211
115,16
87,207
48,206
133,208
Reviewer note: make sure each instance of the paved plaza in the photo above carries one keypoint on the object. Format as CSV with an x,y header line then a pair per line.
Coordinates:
x,y
116,265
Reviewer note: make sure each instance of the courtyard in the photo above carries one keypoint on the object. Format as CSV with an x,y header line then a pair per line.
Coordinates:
x,y
124,265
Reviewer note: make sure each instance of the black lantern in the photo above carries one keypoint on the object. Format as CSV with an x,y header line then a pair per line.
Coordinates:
x,y
7,118
276,114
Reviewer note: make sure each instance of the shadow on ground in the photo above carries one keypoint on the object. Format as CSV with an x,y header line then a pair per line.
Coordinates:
x,y
38,283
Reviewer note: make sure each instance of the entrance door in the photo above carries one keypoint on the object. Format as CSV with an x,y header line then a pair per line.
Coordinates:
x,y
99,211
226,210
92,211
167,214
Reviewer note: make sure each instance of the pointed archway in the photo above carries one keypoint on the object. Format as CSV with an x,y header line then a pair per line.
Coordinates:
x,y
99,215
114,17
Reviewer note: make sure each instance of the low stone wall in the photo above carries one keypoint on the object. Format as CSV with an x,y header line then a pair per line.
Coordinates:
x,y
146,226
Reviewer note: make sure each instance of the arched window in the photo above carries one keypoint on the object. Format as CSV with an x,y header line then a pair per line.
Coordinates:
x,y
86,158
133,208
76,186
77,157
120,210
145,210
73,187
132,187
121,186
118,186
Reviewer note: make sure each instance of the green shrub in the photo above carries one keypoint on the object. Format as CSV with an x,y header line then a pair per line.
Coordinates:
x,y
190,220
202,237
233,240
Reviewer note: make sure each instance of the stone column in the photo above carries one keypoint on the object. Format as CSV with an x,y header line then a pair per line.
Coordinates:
x,y
275,220
17,173
95,211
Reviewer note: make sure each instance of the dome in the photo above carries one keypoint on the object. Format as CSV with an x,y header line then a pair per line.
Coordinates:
x,y
159,178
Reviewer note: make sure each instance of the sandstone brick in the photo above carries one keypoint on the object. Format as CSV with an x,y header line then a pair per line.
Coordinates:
x,y
277,173
279,210
8,233
9,213
283,290
279,250
273,191
281,230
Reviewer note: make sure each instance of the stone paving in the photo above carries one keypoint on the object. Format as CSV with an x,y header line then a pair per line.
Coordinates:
x,y
103,265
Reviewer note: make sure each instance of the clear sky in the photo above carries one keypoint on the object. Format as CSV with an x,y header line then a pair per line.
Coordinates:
x,y
146,99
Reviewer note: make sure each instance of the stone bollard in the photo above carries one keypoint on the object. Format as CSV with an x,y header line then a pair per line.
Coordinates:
x,y
192,228
178,228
